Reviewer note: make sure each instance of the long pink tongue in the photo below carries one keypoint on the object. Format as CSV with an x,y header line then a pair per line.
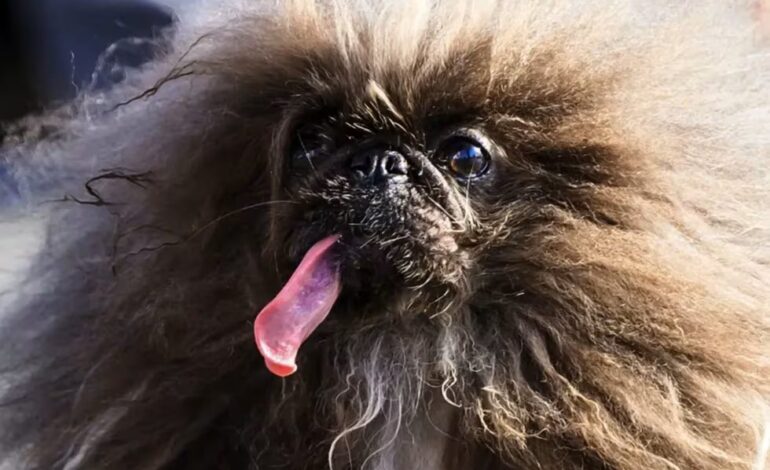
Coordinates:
x,y
303,303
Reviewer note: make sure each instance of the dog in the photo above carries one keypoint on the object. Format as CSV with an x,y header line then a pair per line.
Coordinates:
x,y
400,235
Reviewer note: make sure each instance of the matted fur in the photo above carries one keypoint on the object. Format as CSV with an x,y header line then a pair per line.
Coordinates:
x,y
610,309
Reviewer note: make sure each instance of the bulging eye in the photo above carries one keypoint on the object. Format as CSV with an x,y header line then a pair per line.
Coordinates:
x,y
465,158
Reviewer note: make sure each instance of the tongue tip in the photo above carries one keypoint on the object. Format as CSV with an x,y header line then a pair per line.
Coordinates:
x,y
281,369
282,365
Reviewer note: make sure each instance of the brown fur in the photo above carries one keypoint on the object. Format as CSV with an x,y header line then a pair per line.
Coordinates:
x,y
604,305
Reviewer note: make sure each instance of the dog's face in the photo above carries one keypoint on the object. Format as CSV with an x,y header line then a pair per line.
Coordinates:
x,y
433,190
452,177
400,193
426,185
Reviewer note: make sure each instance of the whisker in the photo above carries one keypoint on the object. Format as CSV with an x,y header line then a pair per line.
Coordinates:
x,y
441,208
306,154
207,225
238,211
368,241
395,239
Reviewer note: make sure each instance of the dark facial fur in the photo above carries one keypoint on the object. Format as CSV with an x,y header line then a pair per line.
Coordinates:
x,y
598,299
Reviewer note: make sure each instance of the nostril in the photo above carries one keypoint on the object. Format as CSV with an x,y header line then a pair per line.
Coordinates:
x,y
364,163
394,163
376,165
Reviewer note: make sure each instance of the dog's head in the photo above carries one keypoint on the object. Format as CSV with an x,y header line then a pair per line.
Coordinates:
x,y
439,165
427,155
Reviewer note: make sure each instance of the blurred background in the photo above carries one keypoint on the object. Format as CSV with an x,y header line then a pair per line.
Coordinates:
x,y
51,49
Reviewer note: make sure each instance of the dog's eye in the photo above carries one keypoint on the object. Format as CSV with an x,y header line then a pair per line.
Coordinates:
x,y
464,157
308,145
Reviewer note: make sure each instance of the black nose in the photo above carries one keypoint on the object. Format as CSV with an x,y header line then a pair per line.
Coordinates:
x,y
377,165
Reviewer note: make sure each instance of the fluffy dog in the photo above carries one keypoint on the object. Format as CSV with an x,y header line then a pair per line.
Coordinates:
x,y
539,230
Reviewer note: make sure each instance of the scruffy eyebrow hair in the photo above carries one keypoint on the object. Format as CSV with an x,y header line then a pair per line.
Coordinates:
x,y
379,95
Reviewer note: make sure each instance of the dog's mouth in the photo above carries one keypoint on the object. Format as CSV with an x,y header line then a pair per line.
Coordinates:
x,y
361,267
334,265
330,265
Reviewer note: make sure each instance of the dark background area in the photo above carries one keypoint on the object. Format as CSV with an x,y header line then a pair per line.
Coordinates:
x,y
50,49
